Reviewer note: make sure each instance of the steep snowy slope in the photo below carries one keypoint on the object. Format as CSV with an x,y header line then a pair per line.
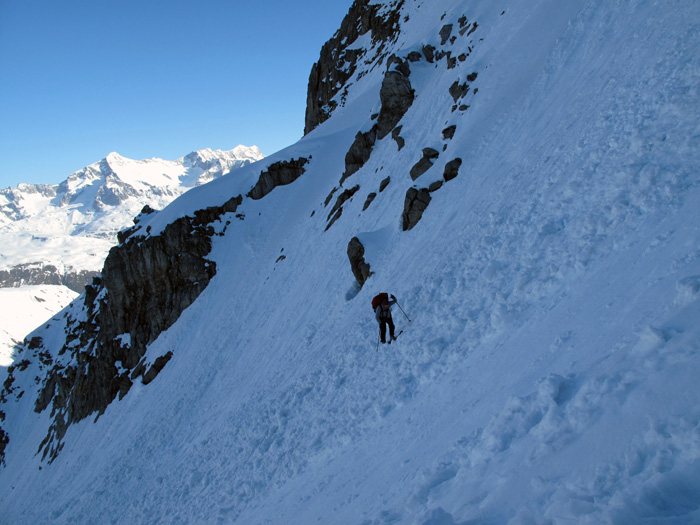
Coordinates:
x,y
24,309
540,228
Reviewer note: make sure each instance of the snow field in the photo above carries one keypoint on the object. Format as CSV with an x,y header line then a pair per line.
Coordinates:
x,y
549,371
22,310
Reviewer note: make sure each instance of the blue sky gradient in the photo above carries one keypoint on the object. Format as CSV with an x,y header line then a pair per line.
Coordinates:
x,y
151,78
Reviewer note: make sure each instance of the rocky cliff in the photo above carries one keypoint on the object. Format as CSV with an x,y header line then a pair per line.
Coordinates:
x,y
340,58
146,283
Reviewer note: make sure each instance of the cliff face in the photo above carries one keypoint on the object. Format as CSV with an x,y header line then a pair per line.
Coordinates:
x,y
145,286
146,283
339,59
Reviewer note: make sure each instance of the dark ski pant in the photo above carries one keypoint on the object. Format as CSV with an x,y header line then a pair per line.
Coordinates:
x,y
382,328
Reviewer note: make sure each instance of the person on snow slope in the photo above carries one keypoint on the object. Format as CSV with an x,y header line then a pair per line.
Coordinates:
x,y
382,313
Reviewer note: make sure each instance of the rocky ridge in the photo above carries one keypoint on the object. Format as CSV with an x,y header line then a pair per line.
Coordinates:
x,y
396,96
339,60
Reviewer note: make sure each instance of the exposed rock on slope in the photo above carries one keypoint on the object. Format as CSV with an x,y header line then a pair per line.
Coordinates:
x,y
396,96
338,61
145,286
278,174
360,267
416,203
425,163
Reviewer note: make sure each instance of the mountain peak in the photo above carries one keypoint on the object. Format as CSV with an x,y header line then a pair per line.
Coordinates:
x,y
115,159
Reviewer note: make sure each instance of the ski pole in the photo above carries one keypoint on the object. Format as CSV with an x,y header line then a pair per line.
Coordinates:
x,y
397,304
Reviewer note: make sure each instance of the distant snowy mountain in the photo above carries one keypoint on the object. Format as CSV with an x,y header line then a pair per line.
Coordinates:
x,y
60,235
523,177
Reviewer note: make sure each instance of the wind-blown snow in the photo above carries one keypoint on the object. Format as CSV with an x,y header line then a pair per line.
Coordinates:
x,y
549,373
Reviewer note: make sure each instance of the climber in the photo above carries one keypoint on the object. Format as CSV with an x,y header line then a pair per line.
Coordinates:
x,y
382,312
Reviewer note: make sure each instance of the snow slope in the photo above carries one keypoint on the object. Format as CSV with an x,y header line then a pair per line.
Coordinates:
x,y
23,309
549,371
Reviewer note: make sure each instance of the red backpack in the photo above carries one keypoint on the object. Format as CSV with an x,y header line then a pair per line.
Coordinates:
x,y
379,299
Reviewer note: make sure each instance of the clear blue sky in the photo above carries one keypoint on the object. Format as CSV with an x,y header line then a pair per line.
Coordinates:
x,y
151,78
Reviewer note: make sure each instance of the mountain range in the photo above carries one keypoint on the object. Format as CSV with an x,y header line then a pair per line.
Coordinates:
x,y
56,234
522,177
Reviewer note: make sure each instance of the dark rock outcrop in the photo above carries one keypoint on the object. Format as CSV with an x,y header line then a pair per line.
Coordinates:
x,y
452,169
360,267
369,200
396,95
415,203
435,186
337,63
417,200
278,174
157,366
449,132
396,135
458,90
337,209
425,163
146,284
126,233
4,440
445,33
384,184
359,152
